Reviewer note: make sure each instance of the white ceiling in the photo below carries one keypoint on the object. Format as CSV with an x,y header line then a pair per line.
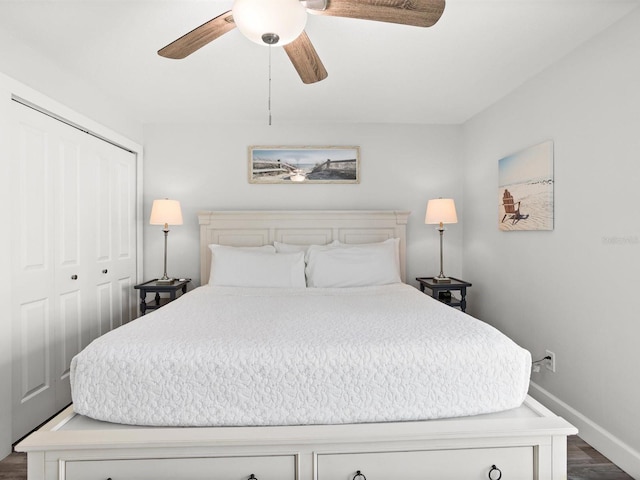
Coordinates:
x,y
478,52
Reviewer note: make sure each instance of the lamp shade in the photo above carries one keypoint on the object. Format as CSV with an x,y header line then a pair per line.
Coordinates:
x,y
441,210
284,18
166,212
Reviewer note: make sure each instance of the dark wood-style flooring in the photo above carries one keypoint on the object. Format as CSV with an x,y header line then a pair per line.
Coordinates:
x,y
584,463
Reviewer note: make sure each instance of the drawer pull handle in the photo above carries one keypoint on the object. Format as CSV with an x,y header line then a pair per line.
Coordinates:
x,y
495,473
359,474
74,277
105,271
253,477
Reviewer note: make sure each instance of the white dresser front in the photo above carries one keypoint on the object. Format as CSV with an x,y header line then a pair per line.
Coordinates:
x,y
512,463
276,467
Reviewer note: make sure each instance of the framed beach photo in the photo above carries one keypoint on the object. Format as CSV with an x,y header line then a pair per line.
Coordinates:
x,y
525,189
299,165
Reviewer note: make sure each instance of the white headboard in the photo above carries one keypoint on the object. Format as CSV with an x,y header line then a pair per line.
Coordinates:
x,y
303,227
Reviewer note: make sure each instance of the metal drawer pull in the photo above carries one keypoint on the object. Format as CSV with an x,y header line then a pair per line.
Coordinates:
x,y
105,271
359,474
252,477
495,473
74,277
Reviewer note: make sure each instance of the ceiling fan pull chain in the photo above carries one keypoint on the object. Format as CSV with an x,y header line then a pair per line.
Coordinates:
x,y
270,47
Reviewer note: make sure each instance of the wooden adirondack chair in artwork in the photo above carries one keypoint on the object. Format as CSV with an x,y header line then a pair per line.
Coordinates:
x,y
510,207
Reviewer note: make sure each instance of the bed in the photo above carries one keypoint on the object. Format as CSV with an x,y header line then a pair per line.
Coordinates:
x,y
348,434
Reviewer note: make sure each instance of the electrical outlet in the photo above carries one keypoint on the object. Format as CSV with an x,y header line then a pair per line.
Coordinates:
x,y
550,363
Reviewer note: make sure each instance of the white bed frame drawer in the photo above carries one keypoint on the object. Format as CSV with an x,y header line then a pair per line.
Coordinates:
x,y
527,443
277,467
472,464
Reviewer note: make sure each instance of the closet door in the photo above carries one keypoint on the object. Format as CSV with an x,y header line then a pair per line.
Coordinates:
x,y
69,321
111,186
75,258
33,275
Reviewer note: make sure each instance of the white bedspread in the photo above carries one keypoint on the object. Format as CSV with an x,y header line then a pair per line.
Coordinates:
x,y
239,356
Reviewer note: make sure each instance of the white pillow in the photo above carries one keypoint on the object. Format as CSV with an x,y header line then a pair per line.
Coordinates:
x,y
395,241
355,266
237,267
291,248
263,248
215,247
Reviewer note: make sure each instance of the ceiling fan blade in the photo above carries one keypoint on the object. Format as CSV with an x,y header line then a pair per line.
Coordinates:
x,y
420,13
305,59
199,37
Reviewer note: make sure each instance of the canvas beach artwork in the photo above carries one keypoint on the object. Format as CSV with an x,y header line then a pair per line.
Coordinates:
x,y
300,165
525,189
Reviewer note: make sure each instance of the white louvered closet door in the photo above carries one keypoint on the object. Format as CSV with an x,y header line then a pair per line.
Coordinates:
x,y
74,262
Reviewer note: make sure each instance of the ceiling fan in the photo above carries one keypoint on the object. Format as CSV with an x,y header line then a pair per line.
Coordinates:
x,y
282,22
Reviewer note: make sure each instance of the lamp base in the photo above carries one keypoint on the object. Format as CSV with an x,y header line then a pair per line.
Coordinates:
x,y
165,281
441,280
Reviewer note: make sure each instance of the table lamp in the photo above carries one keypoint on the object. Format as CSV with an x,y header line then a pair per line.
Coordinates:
x,y
439,212
165,212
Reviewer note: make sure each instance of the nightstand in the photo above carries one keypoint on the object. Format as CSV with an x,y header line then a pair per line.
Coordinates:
x,y
153,287
439,291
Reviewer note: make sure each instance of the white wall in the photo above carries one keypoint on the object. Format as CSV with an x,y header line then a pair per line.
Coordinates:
x,y
205,167
35,70
572,291
5,281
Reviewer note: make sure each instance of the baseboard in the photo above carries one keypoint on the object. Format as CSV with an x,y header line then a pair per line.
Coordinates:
x,y
601,439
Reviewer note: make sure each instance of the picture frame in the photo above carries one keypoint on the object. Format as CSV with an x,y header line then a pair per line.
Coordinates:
x,y
526,189
304,164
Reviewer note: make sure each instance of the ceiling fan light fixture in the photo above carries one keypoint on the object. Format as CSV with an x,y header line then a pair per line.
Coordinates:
x,y
259,19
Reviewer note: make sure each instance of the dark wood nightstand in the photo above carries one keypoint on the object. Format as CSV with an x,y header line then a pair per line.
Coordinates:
x,y
439,291
153,287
